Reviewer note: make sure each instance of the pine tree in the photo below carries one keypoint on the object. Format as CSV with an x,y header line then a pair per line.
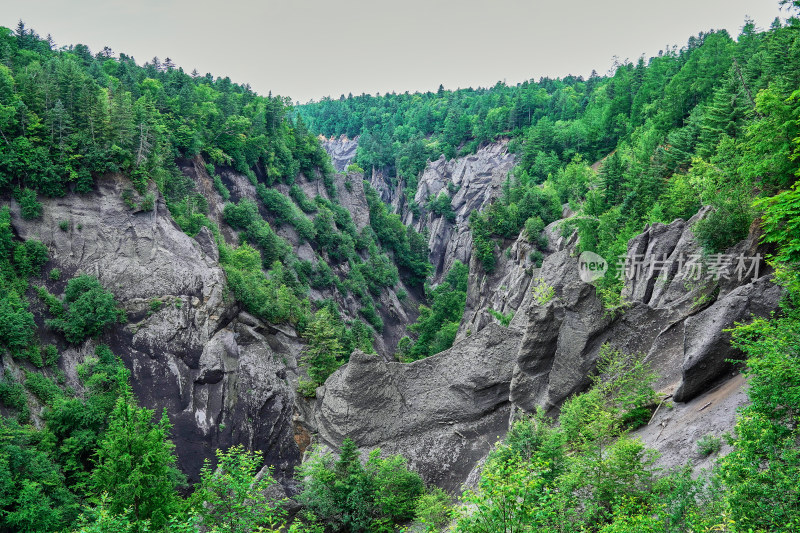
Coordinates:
x,y
136,464
324,353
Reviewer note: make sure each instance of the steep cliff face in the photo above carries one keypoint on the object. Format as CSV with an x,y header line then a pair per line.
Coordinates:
x,y
394,312
226,377
341,149
472,182
551,346
223,376
443,413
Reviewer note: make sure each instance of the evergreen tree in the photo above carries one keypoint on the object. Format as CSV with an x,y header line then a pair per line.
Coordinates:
x,y
136,464
324,353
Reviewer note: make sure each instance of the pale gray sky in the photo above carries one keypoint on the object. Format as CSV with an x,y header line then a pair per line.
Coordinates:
x,y
310,48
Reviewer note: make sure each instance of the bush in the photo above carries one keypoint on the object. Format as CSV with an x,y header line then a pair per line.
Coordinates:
x,y
30,257
55,274
64,225
441,206
148,202
533,227
241,215
50,354
542,292
708,445
42,387
504,320
349,496
433,510
29,206
232,496
88,310
722,228
16,324
303,201
221,188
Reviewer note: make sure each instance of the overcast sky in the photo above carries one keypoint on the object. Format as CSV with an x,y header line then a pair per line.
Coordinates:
x,y
310,48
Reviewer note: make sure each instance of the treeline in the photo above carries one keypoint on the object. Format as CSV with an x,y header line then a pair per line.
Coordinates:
x,y
712,123
68,117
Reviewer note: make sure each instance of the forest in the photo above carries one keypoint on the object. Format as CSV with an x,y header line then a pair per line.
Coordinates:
x,y
715,122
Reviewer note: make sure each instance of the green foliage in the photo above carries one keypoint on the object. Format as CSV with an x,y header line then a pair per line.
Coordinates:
x,y
88,309
433,510
324,353
576,475
349,496
55,274
764,466
353,167
302,201
440,205
221,188
34,497
42,387
76,425
504,320
231,497
29,206
542,292
50,354
437,325
285,211
148,202
409,247
136,464
265,296
709,444
12,395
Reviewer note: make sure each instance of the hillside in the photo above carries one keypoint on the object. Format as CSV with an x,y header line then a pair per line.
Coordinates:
x,y
215,306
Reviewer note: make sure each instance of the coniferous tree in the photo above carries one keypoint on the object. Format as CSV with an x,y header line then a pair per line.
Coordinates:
x,y
136,464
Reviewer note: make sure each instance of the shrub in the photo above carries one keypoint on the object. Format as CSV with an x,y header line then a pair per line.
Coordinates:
x,y
148,202
441,206
709,444
433,510
241,215
232,496
221,188
353,167
16,324
29,206
533,227
89,309
42,387
55,274
504,320
50,354
303,201
542,292
307,388
30,257
349,496
536,257
324,353
127,198
64,225
722,228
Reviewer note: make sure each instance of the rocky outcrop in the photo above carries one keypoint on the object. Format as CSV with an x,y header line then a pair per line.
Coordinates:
x,y
678,321
342,150
223,376
472,182
443,413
